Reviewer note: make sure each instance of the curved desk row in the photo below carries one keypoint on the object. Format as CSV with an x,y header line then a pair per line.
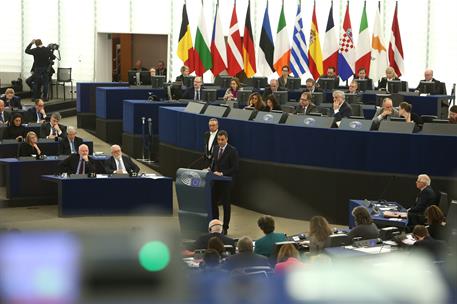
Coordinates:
x,y
299,172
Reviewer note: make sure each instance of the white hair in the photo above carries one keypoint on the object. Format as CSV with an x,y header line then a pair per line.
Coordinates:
x,y
425,179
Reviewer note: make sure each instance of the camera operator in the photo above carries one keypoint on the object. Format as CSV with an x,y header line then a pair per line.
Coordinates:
x,y
42,56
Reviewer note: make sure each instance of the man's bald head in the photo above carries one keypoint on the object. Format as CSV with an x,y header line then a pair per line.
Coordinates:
x,y
428,74
215,226
83,150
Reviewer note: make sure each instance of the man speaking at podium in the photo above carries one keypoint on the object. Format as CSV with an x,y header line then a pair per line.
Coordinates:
x,y
224,163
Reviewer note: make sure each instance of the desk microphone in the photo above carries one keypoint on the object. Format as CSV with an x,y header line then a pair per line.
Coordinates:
x,y
195,161
386,187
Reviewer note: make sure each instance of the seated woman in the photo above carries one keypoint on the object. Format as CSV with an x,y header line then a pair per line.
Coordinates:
x,y
255,101
436,223
11,101
390,75
319,232
365,228
232,92
288,259
29,147
404,110
15,130
284,77
265,245
272,104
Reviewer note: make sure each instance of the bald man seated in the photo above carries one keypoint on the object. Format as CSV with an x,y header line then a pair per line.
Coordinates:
x,y
119,163
214,230
387,110
439,87
80,163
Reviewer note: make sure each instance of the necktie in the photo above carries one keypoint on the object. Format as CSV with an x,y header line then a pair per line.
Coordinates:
x,y
1,118
37,117
84,167
219,155
72,147
119,165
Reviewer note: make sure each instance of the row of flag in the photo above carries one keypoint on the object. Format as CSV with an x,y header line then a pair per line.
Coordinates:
x,y
237,55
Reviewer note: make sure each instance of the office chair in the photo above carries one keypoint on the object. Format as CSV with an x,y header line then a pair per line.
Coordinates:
x,y
444,203
64,76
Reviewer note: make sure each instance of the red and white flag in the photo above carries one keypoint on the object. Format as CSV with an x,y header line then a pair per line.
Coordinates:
x,y
234,58
395,47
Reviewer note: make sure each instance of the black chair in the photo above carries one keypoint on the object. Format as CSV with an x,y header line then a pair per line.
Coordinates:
x,y
428,118
444,203
64,76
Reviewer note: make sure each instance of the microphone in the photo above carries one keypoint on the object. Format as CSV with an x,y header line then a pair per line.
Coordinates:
x,y
386,187
195,161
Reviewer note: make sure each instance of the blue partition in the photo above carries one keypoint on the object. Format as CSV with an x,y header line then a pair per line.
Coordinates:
x,y
328,148
109,99
134,110
85,99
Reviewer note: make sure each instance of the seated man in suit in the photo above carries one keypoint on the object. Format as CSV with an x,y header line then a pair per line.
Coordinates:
x,y
80,163
340,108
331,73
387,110
11,101
425,198
453,114
4,115
36,114
439,88
424,242
271,88
71,143
245,257
53,129
224,163
139,66
194,93
305,106
311,86
214,230
119,163
353,87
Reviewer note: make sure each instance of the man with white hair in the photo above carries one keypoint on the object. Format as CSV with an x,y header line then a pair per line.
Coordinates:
x,y
340,108
438,89
71,143
214,230
119,163
387,110
425,198
80,163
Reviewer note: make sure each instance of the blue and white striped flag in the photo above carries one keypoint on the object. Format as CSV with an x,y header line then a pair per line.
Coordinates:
x,y
299,59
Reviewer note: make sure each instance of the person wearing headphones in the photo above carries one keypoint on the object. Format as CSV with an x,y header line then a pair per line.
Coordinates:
x,y
214,230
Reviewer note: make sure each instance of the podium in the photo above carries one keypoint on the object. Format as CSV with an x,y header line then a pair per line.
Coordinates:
x,y
194,190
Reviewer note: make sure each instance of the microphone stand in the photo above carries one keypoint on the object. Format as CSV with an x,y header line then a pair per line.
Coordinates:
x,y
143,131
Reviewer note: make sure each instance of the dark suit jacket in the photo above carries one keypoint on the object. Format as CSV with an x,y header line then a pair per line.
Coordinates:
x,y
45,129
282,84
190,93
245,259
312,108
31,115
14,103
382,84
436,249
208,154
70,165
6,117
268,91
228,163
41,56
439,89
345,111
425,198
110,165
11,132
65,145
27,150
202,241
